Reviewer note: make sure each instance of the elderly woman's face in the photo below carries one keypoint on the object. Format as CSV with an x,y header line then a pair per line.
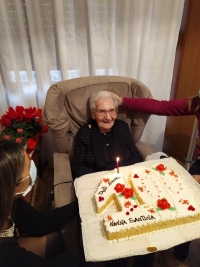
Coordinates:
x,y
105,114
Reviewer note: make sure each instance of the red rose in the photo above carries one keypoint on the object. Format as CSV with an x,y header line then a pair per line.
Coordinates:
x,y
5,121
19,116
163,204
18,140
160,168
11,113
7,137
127,192
19,109
119,188
29,115
19,130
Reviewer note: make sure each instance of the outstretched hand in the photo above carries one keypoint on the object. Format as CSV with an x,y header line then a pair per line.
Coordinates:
x,y
118,98
197,178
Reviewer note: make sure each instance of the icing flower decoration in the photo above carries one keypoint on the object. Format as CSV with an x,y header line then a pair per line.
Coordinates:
x,y
163,204
184,201
140,188
135,176
106,180
152,210
101,198
109,218
191,208
127,204
173,174
160,168
119,188
127,192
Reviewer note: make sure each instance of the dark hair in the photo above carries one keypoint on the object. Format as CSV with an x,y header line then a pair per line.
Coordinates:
x,y
11,167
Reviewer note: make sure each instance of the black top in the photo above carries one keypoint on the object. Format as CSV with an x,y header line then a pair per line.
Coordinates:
x,y
29,220
84,160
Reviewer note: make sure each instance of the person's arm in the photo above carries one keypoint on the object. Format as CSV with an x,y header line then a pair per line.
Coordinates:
x,y
156,107
12,255
35,223
82,141
195,170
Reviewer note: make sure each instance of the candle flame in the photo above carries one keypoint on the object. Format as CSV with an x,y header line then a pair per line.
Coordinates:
x,y
117,159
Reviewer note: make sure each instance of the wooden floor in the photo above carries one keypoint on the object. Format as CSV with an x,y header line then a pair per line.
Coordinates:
x,y
40,200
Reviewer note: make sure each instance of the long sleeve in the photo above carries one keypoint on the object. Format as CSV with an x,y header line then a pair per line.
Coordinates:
x,y
135,156
156,107
29,220
12,255
82,148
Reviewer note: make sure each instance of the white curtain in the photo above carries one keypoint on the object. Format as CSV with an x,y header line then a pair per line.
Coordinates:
x,y
46,41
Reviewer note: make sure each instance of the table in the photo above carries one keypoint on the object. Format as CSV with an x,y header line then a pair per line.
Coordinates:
x,y
96,246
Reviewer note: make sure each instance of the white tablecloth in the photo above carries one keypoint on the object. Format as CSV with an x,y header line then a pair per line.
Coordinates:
x,y
98,248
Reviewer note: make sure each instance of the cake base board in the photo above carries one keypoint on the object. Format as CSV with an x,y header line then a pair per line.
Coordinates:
x,y
98,248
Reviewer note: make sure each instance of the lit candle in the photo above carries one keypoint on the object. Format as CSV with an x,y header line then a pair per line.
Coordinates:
x,y
117,164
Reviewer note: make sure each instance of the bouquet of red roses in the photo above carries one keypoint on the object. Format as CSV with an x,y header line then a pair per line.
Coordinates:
x,y
23,125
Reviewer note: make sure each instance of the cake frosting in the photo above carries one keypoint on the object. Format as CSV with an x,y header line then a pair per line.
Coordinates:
x,y
154,198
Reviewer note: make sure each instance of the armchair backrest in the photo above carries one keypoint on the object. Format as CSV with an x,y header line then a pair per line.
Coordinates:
x,y
67,106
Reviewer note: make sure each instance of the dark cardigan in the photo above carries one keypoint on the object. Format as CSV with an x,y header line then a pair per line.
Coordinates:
x,y
84,159
29,220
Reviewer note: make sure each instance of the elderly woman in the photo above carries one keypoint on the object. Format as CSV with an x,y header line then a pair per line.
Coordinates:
x,y
98,144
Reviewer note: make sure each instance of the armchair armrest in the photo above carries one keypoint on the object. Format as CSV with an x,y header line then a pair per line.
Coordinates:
x,y
63,192
144,149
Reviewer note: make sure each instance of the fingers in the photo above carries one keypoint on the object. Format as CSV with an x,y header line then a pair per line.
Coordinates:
x,y
118,98
197,178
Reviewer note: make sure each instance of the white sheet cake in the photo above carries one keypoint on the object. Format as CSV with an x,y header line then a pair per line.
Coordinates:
x,y
156,198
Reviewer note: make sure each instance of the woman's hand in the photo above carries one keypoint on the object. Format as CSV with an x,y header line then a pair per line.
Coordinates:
x,y
118,98
197,178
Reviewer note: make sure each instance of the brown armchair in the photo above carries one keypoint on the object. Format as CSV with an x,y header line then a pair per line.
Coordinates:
x,y
66,109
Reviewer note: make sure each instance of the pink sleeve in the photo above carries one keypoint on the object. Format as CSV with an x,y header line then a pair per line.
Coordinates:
x,y
156,107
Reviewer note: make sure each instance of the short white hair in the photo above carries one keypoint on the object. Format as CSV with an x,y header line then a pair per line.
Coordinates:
x,y
101,94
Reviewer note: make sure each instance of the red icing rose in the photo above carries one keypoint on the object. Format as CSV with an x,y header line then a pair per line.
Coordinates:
x,y
160,168
119,188
191,208
101,198
135,176
127,192
163,204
